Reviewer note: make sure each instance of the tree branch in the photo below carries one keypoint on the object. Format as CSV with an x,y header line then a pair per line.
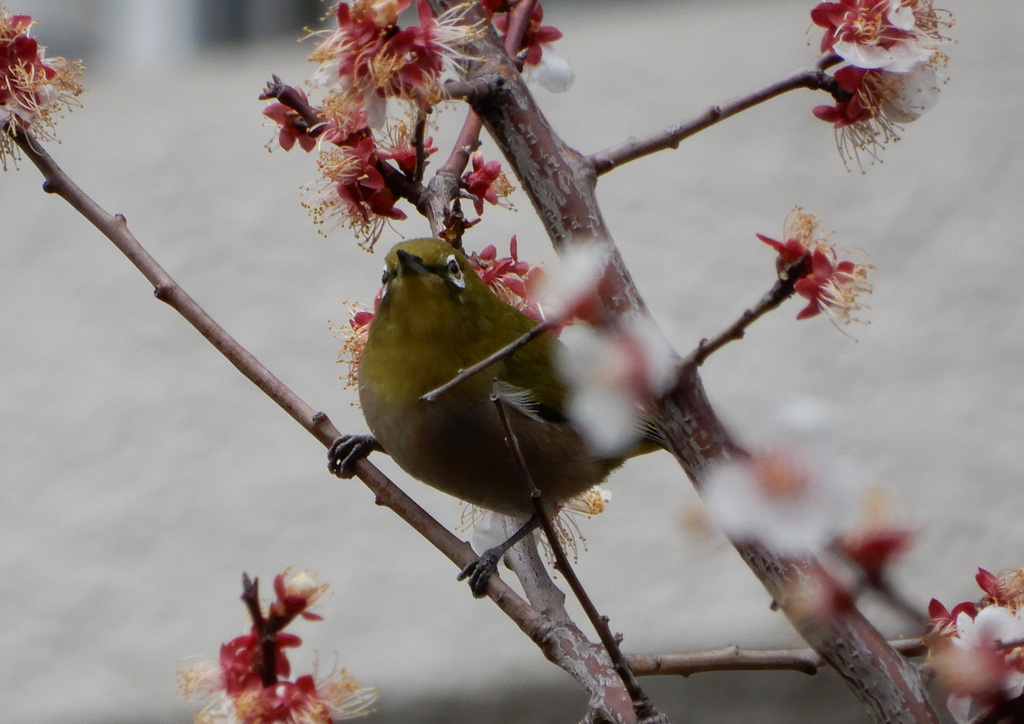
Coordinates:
x,y
812,77
780,292
486,362
733,658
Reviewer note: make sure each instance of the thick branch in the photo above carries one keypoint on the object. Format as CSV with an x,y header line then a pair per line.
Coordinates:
x,y
813,78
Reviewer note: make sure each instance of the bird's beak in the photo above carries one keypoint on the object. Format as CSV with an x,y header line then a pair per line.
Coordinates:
x,y
410,263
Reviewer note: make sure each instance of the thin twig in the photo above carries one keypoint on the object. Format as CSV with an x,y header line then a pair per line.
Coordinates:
x,y
812,77
780,292
265,653
486,362
642,704
733,658
419,143
289,96
166,289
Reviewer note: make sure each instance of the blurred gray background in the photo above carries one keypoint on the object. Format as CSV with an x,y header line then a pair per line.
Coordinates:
x,y
142,474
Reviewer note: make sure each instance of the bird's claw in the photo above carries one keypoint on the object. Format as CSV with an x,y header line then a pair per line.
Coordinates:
x,y
347,450
479,571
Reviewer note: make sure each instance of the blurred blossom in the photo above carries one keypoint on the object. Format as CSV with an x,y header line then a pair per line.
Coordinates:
x,y
787,500
572,289
553,73
611,375
795,496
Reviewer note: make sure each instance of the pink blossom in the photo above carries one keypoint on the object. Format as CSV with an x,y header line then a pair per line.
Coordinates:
x,y
354,192
535,36
871,33
831,286
982,663
511,279
371,59
486,182
33,89
293,127
234,690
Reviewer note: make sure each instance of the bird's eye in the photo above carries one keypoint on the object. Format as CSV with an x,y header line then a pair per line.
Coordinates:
x,y
455,272
384,283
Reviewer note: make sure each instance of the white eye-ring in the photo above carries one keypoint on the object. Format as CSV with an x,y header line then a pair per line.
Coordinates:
x,y
455,272
384,283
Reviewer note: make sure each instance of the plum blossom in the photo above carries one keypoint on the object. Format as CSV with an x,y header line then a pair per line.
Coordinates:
x,y
877,103
784,497
353,334
237,689
370,59
1005,589
34,90
573,289
511,279
535,37
399,147
293,127
871,33
794,494
977,649
542,62
486,182
613,368
612,373
353,192
553,73
892,56
982,663
831,286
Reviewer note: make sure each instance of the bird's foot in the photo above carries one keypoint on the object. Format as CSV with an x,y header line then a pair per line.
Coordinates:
x,y
347,450
479,571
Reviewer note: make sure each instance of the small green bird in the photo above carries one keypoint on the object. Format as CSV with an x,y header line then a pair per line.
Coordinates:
x,y
435,318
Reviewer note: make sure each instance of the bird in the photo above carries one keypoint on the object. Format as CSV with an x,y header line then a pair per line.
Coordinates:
x,y
436,317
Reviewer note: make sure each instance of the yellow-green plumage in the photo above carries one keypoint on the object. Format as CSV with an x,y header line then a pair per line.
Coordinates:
x,y
435,318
